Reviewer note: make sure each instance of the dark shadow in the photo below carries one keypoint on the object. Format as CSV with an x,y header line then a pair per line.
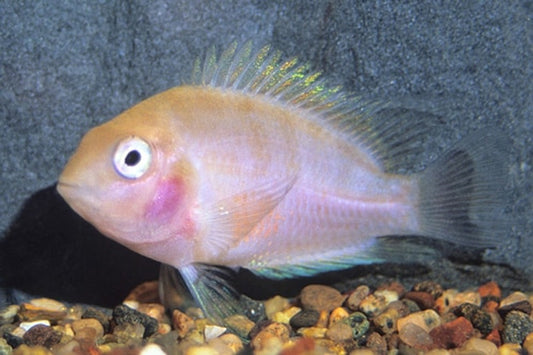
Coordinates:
x,y
50,251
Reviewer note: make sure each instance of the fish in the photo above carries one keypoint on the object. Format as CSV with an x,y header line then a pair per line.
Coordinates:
x,y
259,163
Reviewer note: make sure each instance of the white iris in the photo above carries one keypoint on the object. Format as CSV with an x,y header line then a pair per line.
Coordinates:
x,y
132,158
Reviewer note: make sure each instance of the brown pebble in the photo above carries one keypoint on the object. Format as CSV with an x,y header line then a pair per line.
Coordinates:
x,y
41,335
386,321
431,287
415,336
33,350
491,290
275,304
355,298
128,333
181,322
339,332
147,292
494,337
484,347
516,301
154,310
393,286
90,323
377,343
452,334
337,314
373,305
274,333
42,308
424,300
321,298
301,346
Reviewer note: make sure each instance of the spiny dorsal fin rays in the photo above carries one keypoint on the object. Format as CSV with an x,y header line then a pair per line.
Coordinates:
x,y
263,72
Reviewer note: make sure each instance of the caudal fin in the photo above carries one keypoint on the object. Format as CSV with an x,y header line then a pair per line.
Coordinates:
x,y
462,193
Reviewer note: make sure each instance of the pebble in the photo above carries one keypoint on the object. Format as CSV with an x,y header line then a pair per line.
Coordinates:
x,y
147,292
41,335
42,308
275,304
240,324
517,326
490,290
452,334
426,320
373,304
313,332
271,337
28,325
233,342
484,347
528,343
305,318
377,343
510,349
337,315
415,336
98,315
33,350
181,322
213,331
359,324
516,301
152,349
479,318
424,300
90,329
321,298
124,314
386,321
339,332
7,315
431,287
286,315
355,298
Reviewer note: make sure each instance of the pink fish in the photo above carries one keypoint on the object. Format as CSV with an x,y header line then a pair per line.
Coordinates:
x,y
258,164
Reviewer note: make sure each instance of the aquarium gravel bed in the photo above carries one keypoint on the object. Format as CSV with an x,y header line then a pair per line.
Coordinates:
x,y
389,319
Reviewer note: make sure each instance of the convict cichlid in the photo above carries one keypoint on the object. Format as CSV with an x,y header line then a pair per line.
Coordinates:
x,y
258,164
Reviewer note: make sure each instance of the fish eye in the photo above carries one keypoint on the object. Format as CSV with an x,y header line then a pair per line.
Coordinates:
x,y
132,158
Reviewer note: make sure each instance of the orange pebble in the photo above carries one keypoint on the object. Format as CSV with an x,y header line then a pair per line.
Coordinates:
x,y
494,337
490,289
491,306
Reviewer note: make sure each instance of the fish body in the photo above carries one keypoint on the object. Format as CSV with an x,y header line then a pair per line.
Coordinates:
x,y
257,164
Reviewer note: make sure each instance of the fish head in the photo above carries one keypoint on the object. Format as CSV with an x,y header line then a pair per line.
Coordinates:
x,y
131,180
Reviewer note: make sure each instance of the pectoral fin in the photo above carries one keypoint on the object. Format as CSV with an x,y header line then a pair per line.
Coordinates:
x,y
232,218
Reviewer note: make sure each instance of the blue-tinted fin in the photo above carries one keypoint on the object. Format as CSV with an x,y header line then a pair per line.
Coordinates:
x,y
394,249
462,194
234,217
210,289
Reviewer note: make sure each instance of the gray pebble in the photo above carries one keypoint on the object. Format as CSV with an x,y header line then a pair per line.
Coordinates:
x,y
517,326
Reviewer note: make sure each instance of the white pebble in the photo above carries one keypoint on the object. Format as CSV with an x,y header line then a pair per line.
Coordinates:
x,y
28,325
152,349
213,331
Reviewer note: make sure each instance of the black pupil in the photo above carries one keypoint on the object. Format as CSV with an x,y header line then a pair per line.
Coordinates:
x,y
133,158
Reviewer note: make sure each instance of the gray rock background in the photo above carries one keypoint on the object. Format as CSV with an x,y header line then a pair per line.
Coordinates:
x,y
69,65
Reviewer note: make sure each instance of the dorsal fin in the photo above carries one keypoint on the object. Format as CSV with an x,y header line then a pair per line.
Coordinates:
x,y
262,72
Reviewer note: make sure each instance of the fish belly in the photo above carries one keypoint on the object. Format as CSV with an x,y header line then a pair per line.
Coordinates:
x,y
310,224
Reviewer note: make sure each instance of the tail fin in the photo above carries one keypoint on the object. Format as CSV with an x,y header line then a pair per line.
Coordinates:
x,y
462,193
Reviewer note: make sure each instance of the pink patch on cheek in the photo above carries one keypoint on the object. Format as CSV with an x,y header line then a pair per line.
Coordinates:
x,y
167,201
